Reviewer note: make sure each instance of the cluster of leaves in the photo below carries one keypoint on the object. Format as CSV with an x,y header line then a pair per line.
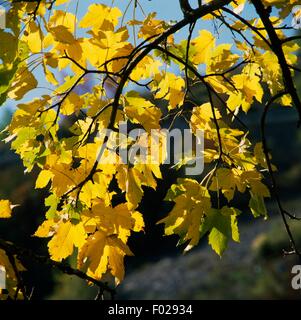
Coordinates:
x,y
83,218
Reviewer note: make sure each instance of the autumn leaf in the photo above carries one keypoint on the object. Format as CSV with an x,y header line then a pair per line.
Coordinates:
x,y
43,179
192,203
101,17
104,253
67,236
5,209
141,111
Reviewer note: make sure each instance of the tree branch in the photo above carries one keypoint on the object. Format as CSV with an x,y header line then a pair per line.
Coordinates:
x,y
276,46
22,253
124,78
274,188
185,7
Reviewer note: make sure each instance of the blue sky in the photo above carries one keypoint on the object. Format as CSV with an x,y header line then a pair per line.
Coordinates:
x,y
166,9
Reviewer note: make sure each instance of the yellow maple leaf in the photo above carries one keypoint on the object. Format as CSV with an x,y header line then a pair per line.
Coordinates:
x,y
131,180
221,59
202,115
63,18
5,209
100,17
62,34
118,220
72,104
248,89
192,202
33,37
104,253
142,111
146,68
202,47
46,229
170,87
65,238
44,177
151,27
24,81
227,180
